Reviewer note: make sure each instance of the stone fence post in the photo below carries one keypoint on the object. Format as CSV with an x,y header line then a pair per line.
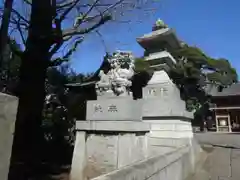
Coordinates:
x,y
8,111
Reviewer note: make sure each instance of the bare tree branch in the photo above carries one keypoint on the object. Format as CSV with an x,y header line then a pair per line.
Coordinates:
x,y
29,2
62,17
21,35
55,48
64,4
20,16
84,18
79,31
112,6
65,58
23,21
18,52
90,16
102,40
90,9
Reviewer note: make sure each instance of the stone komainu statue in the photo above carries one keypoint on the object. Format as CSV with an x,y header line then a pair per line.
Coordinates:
x,y
117,81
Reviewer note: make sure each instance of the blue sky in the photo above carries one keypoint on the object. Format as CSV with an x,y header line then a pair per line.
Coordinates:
x,y
212,25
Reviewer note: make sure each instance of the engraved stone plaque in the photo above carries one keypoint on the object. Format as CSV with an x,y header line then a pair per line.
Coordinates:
x,y
114,109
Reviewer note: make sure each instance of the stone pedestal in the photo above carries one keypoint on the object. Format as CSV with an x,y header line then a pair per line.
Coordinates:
x,y
104,146
8,111
162,98
166,112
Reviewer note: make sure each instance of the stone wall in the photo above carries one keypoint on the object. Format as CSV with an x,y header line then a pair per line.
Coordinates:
x,y
8,111
174,165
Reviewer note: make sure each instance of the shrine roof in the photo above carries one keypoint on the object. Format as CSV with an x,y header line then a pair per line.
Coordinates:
x,y
233,90
156,33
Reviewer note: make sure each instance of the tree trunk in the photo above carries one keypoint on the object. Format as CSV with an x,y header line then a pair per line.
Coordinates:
x,y
4,29
27,137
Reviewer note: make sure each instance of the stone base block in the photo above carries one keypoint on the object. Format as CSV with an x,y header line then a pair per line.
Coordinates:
x,y
99,153
170,128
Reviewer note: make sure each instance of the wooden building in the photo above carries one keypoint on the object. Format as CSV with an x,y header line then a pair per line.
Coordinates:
x,y
226,109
